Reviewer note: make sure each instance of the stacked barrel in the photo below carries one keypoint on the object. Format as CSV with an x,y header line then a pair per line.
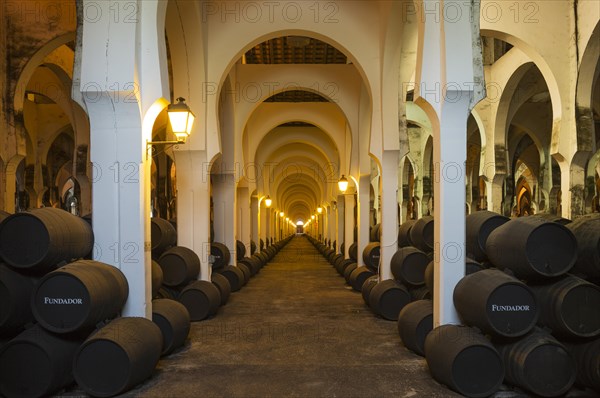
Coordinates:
x,y
55,302
177,273
388,298
355,276
531,312
59,318
405,298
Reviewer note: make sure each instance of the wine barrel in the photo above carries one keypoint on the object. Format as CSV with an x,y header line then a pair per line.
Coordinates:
x,y
234,275
552,217
353,251
222,283
331,256
42,238
368,286
78,296
343,264
479,225
420,293
408,266
570,307
415,321
371,256
240,250
221,255
167,293
532,248
587,356
269,252
173,222
201,298
404,233
263,258
163,235
173,320
36,363
375,233
15,300
252,247
472,266
328,253
256,262
587,233
261,244
157,278
130,349
246,271
421,234
496,303
348,271
539,364
337,259
180,266
428,276
463,360
387,298
358,277
250,264
342,248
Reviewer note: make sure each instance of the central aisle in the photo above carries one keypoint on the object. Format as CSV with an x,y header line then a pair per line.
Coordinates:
x,y
294,330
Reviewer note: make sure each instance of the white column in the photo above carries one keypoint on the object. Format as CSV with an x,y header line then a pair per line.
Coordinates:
x,y
268,224
120,204
340,215
224,210
193,206
349,223
363,215
254,220
389,212
331,222
243,217
263,225
448,65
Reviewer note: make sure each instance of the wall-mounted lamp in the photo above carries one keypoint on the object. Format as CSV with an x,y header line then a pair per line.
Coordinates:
x,y
281,214
312,217
319,210
268,201
181,119
343,184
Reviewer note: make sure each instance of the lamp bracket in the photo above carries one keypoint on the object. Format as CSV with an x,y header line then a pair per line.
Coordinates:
x,y
168,143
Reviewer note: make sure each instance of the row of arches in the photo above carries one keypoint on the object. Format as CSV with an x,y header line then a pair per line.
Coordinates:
x,y
284,111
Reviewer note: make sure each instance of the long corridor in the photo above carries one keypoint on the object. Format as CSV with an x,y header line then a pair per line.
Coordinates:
x,y
295,330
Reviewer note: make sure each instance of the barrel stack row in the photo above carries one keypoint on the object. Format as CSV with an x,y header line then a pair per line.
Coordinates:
x,y
59,319
176,273
415,250
176,270
60,323
532,317
355,276
385,298
529,302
